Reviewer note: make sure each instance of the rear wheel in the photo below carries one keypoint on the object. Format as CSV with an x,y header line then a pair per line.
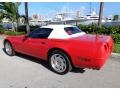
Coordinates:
x,y
59,62
9,49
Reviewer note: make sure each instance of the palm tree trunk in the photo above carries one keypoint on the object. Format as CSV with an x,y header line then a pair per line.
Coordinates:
x,y
17,22
13,26
27,21
17,26
100,13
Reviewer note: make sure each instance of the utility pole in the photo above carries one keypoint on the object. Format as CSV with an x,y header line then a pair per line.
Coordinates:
x,y
101,13
27,20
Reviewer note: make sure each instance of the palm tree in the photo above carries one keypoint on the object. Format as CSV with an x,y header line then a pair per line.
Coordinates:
x,y
27,20
10,10
17,4
100,13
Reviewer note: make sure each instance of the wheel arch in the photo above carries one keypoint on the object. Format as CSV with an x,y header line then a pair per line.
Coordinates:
x,y
6,40
62,50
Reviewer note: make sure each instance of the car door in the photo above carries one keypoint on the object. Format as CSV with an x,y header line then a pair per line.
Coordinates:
x,y
37,43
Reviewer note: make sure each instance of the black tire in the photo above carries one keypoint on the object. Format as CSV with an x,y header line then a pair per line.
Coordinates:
x,y
64,57
12,49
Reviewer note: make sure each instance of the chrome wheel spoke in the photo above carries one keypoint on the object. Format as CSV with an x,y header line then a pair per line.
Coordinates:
x,y
8,48
62,63
58,63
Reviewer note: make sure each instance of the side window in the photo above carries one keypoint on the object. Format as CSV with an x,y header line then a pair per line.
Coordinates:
x,y
40,33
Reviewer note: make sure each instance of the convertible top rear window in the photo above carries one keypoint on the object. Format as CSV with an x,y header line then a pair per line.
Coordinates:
x,y
72,30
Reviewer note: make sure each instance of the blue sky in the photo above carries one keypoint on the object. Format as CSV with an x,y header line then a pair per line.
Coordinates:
x,y
49,9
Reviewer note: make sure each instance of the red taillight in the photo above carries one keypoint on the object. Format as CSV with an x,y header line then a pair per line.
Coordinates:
x,y
106,47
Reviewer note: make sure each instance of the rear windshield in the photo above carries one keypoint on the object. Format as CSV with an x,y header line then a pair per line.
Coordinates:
x,y
72,30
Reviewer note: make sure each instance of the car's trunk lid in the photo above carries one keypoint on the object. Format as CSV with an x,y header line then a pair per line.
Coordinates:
x,y
92,38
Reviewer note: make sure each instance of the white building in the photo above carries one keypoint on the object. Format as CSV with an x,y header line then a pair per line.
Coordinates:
x,y
37,19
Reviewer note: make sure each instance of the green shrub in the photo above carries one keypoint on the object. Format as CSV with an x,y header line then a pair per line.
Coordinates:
x,y
1,29
102,30
106,30
14,33
116,37
22,28
116,48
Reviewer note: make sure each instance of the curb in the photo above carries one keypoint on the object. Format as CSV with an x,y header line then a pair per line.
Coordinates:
x,y
115,55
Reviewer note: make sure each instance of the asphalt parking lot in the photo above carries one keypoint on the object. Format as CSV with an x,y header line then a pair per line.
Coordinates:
x,y
26,72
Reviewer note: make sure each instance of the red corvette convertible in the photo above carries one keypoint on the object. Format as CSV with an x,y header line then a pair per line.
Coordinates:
x,y
63,46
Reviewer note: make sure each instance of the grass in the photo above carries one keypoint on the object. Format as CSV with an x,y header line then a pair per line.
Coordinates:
x,y
116,48
13,33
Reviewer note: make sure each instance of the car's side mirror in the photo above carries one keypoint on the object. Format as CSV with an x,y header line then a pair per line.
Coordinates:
x,y
26,36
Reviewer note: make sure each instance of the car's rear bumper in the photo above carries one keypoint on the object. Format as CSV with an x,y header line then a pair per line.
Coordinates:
x,y
92,63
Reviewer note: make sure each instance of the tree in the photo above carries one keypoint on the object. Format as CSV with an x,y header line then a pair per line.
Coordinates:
x,y
115,17
100,13
27,20
10,10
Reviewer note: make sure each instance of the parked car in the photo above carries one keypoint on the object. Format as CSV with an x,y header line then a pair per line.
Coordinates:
x,y
63,46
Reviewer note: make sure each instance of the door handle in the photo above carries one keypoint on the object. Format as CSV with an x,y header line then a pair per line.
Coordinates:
x,y
42,42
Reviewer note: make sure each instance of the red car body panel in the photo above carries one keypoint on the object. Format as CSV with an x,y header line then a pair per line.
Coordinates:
x,y
86,51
